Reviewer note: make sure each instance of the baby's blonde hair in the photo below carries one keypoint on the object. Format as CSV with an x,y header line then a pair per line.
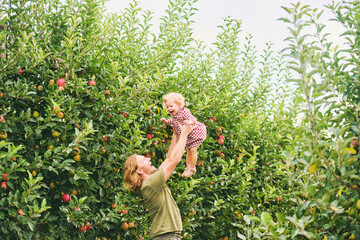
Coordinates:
x,y
178,97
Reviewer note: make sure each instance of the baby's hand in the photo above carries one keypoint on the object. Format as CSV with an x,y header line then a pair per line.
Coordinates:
x,y
187,122
164,120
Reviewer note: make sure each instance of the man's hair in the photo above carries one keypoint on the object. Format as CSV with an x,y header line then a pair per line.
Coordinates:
x,y
132,178
178,97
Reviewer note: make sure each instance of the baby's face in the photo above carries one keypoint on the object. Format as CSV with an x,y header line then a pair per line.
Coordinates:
x,y
172,107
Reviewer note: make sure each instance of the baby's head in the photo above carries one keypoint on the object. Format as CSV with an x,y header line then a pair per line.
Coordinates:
x,y
176,97
174,102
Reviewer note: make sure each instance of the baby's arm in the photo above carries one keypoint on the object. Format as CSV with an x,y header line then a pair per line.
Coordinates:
x,y
166,121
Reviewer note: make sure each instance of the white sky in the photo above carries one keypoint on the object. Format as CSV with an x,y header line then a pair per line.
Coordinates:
x,y
259,18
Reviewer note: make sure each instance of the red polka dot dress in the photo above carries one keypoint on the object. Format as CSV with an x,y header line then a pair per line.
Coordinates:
x,y
198,134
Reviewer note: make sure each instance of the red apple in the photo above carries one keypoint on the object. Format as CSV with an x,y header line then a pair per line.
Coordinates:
x,y
76,151
213,119
221,141
4,185
156,142
124,226
131,224
2,119
4,176
56,110
113,206
107,92
20,71
124,114
60,115
222,137
103,150
83,228
65,197
61,82
88,226
105,138
148,136
21,212
355,143
92,83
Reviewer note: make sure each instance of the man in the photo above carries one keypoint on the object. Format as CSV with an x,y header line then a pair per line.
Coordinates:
x,y
139,174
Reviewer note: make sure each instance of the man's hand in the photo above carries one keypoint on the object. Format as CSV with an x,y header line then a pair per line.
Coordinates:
x,y
187,122
186,129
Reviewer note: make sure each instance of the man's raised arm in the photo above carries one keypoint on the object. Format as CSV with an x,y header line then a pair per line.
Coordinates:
x,y
175,151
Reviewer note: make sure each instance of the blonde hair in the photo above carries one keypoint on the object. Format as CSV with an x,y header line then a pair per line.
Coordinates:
x,y
178,97
131,177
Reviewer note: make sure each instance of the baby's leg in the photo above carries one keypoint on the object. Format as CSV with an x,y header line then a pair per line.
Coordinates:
x,y
192,153
191,158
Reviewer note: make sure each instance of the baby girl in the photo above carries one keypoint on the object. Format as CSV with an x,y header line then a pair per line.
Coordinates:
x,y
180,115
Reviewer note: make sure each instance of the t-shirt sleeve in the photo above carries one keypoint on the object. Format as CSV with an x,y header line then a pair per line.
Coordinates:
x,y
156,181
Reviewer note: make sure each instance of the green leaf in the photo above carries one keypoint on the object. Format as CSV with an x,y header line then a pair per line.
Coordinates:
x,y
31,225
266,219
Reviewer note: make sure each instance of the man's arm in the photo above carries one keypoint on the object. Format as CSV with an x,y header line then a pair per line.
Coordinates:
x,y
176,151
174,140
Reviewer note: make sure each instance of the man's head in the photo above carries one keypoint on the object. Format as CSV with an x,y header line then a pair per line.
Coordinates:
x,y
136,169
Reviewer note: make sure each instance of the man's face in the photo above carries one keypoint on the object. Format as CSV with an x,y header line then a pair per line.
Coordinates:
x,y
144,165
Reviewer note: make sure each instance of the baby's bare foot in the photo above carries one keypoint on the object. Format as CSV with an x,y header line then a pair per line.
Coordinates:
x,y
189,171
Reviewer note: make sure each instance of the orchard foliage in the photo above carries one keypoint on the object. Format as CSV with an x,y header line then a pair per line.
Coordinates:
x,y
327,151
80,90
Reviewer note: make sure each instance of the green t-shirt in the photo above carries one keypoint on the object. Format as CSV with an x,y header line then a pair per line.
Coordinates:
x,y
163,211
